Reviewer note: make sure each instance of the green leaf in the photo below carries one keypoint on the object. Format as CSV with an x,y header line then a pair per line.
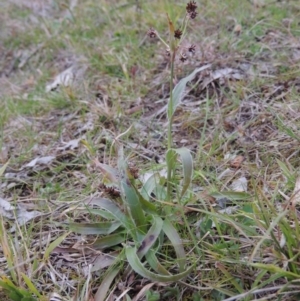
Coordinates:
x,y
138,267
171,157
286,171
155,264
187,164
2,169
231,195
29,299
176,242
130,196
146,205
178,91
54,244
114,210
30,285
14,296
103,213
95,228
109,241
105,285
134,206
151,236
273,269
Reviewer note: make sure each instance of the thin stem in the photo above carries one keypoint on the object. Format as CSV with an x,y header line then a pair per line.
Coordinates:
x,y
173,54
170,143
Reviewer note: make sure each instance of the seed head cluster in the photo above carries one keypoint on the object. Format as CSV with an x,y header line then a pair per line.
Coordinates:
x,y
177,34
192,49
151,33
183,57
191,13
191,9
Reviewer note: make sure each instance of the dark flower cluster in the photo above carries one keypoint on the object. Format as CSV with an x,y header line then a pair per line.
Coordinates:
x,y
183,56
191,9
177,34
151,33
192,49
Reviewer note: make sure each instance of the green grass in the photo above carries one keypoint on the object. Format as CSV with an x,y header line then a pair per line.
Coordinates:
x,y
222,254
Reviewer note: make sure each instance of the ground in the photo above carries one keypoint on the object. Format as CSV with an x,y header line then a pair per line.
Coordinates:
x,y
80,80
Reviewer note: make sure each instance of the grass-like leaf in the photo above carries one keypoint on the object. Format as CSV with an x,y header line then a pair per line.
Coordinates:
x,y
105,284
95,228
114,210
155,264
273,269
3,168
30,285
178,91
232,195
146,205
151,236
131,198
176,241
187,165
54,244
109,241
138,267
134,205
16,293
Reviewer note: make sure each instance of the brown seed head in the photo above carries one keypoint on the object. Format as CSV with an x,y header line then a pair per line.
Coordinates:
x,y
191,7
193,14
183,57
177,34
192,49
151,33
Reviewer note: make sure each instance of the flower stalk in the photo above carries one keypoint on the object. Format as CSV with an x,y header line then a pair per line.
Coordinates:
x,y
175,39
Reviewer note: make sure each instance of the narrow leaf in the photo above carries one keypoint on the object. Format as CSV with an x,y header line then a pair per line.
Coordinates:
x,y
54,244
273,269
108,241
30,285
176,242
3,168
95,228
151,236
134,205
286,170
105,285
231,195
171,157
114,210
187,165
146,205
130,196
138,267
155,264
178,91
103,213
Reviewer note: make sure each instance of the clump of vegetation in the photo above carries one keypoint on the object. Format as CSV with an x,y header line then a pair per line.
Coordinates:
x,y
148,225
